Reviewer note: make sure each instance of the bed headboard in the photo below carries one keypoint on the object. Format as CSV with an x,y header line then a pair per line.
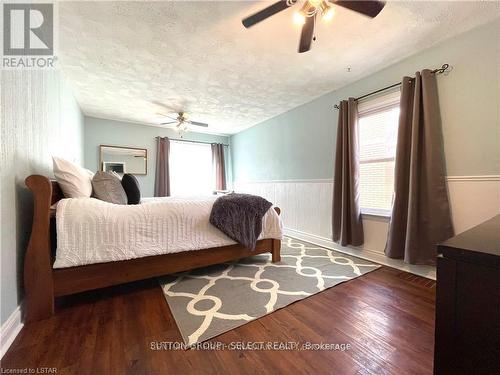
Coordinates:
x,y
44,188
57,193
38,258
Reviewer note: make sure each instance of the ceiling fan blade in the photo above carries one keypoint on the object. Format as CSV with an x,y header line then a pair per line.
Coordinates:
x,y
167,116
198,123
265,13
168,123
368,8
307,34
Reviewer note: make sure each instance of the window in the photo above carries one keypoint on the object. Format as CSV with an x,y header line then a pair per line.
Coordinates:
x,y
190,169
378,128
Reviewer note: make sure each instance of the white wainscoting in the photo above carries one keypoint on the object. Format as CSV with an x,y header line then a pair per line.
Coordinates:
x,y
306,211
305,204
473,200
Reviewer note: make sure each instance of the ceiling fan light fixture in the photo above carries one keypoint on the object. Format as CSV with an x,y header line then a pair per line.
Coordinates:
x,y
182,128
327,11
182,123
299,18
312,8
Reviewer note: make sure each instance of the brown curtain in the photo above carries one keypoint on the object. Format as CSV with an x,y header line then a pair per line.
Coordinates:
x,y
346,216
421,212
162,176
219,166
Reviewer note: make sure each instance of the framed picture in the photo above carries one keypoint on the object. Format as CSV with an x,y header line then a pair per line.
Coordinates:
x,y
113,166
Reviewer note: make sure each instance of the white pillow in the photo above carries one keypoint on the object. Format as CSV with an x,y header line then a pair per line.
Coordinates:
x,y
75,181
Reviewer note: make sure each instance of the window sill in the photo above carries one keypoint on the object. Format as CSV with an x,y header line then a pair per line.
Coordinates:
x,y
384,215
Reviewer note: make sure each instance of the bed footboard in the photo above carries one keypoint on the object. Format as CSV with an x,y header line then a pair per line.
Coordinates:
x,y
276,252
276,247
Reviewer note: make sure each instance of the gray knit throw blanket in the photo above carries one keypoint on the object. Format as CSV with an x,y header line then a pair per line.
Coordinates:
x,y
239,216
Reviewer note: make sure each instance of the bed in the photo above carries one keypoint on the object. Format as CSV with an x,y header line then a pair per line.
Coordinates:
x,y
48,275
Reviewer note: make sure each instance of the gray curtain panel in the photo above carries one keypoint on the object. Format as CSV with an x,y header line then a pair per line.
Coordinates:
x,y
162,176
219,166
346,215
421,211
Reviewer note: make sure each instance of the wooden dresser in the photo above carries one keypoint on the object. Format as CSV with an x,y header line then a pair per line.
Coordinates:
x,y
468,302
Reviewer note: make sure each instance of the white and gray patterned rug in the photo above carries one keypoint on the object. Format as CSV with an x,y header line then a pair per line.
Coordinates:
x,y
209,301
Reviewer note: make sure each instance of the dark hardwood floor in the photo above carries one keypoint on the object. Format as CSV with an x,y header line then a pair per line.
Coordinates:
x,y
386,316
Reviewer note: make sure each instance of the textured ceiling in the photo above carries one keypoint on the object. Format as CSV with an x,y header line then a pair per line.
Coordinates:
x,y
129,60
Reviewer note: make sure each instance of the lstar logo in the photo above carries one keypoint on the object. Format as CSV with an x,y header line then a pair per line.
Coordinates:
x,y
28,30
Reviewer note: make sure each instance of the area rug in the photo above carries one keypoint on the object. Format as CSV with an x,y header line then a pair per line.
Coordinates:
x,y
209,301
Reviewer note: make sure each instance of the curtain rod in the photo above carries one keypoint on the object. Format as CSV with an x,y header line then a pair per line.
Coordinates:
x,y
441,70
185,140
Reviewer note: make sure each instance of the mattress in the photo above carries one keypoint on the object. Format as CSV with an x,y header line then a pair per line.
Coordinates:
x,y
93,231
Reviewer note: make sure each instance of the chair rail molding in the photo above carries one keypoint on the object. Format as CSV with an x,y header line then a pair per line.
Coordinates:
x,y
492,177
290,181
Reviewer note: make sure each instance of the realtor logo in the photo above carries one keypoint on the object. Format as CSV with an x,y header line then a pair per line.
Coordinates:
x,y
28,29
28,35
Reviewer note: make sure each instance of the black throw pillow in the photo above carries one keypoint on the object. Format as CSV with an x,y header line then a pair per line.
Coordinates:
x,y
132,188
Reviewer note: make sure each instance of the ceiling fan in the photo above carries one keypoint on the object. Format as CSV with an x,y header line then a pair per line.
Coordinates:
x,y
306,16
182,122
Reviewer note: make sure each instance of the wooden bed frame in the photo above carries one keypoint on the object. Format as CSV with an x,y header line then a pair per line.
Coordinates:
x,y
43,283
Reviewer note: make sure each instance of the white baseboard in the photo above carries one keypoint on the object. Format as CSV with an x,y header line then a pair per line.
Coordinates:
x,y
9,330
374,256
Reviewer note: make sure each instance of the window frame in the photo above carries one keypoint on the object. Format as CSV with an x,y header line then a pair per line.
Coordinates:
x,y
368,107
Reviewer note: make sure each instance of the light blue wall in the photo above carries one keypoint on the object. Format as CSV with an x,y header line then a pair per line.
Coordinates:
x,y
300,143
100,131
39,119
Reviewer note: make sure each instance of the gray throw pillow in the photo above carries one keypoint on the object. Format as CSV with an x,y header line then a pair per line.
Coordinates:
x,y
108,187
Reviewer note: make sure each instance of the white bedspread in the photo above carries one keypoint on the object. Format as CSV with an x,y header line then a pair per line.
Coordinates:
x,y
93,231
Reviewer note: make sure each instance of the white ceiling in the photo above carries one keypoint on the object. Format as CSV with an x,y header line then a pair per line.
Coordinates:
x,y
129,60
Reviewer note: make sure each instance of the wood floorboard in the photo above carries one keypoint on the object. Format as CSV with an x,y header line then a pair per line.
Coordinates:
x,y
386,316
